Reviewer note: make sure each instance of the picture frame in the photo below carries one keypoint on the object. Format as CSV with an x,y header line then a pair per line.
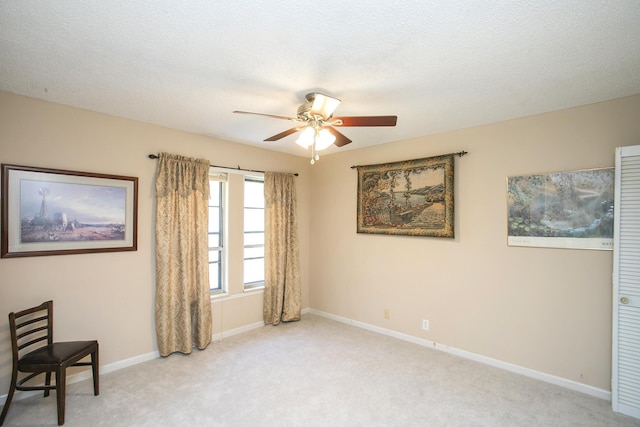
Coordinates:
x,y
571,210
60,212
411,197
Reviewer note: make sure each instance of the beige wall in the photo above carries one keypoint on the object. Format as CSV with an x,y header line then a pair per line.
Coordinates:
x,y
543,309
110,296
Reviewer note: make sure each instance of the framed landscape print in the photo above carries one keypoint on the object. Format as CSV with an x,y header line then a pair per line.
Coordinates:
x,y
412,198
56,212
561,210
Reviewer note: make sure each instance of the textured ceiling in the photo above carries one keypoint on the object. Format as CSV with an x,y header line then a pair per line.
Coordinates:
x,y
437,65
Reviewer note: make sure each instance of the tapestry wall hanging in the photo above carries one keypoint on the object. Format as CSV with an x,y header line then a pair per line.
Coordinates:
x,y
412,197
561,210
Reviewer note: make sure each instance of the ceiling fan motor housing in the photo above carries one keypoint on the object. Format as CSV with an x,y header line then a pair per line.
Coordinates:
x,y
303,111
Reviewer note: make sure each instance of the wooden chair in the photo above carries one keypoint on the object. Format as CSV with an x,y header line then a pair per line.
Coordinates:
x,y
35,353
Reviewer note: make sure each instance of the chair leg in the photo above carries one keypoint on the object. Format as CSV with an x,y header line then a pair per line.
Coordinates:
x,y
12,389
95,367
47,382
61,381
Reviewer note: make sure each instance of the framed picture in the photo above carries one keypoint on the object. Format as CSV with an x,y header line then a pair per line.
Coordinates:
x,y
413,197
56,212
562,210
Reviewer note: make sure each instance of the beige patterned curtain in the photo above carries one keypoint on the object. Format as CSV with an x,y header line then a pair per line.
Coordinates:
x,y
282,266
183,307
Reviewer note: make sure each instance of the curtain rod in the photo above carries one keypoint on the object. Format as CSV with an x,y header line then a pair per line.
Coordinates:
x,y
459,153
155,156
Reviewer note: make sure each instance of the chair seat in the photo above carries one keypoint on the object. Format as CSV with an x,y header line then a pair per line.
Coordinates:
x,y
56,354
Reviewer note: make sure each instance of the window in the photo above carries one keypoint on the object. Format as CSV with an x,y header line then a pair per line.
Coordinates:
x,y
216,232
235,232
253,232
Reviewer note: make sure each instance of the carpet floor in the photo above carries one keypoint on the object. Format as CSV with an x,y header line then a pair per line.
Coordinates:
x,y
317,372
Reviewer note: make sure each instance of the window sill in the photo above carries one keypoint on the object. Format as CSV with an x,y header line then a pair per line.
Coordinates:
x,y
250,289
225,296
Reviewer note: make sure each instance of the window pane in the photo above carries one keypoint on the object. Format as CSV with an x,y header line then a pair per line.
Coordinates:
x,y
253,219
214,220
214,193
254,270
253,239
214,277
214,256
254,252
214,240
253,194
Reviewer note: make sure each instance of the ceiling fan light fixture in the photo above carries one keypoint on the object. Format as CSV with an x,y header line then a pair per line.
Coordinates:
x,y
323,105
324,139
305,140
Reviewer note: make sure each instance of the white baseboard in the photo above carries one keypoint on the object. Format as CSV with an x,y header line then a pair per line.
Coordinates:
x,y
224,334
563,382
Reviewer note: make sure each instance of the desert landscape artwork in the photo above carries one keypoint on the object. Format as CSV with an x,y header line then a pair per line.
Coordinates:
x,y
56,212
53,211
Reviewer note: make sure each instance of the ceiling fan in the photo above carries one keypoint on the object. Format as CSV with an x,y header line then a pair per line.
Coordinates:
x,y
316,121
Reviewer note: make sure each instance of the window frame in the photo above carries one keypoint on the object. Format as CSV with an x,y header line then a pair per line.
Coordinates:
x,y
222,179
254,285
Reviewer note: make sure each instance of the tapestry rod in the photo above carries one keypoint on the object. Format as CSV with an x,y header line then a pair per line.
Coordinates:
x,y
459,153
154,156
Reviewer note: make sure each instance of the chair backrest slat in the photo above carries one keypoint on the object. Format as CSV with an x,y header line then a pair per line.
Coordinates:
x,y
32,331
32,342
31,326
41,307
31,321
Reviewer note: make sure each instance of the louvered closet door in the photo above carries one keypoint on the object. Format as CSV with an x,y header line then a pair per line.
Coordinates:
x,y
625,384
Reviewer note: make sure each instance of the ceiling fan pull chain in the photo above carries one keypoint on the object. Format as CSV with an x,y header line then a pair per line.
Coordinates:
x,y
313,150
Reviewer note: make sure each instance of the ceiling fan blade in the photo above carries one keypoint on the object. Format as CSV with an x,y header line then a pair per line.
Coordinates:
x,y
340,138
323,105
282,134
368,120
267,115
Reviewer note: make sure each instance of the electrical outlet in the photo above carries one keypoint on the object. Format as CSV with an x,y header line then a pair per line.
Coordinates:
x,y
387,313
425,324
